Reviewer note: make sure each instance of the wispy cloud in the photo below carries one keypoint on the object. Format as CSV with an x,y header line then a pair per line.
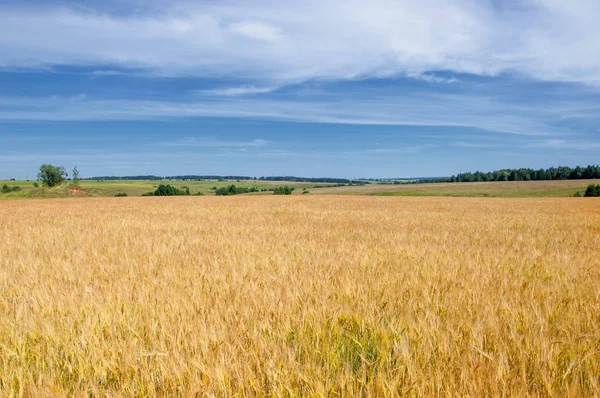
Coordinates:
x,y
106,73
570,144
237,91
432,78
415,109
257,31
437,110
214,143
297,41
467,144
396,150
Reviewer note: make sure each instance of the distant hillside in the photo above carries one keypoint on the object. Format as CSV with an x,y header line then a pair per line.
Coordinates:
x,y
522,174
217,177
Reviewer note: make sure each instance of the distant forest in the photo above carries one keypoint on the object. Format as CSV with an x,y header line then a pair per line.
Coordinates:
x,y
228,178
552,173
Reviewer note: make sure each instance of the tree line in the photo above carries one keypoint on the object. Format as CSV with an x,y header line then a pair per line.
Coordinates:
x,y
318,179
192,177
51,175
233,190
113,178
523,174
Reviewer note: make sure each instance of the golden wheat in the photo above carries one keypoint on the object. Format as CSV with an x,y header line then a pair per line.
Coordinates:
x,y
291,296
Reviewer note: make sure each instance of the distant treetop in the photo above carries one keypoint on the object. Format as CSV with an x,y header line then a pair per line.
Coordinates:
x,y
522,174
51,176
553,173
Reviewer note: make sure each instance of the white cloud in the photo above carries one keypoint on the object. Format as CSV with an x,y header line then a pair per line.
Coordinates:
x,y
291,41
257,31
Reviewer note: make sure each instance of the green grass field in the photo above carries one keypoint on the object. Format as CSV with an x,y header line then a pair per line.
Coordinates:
x,y
137,187
513,189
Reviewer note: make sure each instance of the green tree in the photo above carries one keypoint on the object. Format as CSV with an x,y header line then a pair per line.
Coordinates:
x,y
51,176
284,190
75,176
232,190
168,190
592,190
163,190
503,176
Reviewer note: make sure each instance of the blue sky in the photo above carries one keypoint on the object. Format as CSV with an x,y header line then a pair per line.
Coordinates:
x,y
316,88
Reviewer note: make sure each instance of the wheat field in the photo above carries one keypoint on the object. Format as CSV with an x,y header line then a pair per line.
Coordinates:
x,y
300,296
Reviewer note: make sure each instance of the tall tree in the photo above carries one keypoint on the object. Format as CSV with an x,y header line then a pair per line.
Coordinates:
x,y
51,176
76,176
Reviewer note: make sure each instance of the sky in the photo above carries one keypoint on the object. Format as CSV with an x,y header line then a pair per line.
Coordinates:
x,y
328,88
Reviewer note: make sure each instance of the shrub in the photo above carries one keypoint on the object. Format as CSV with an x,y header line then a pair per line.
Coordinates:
x,y
167,190
231,190
284,190
592,190
36,185
7,189
199,194
578,194
225,191
305,192
121,195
